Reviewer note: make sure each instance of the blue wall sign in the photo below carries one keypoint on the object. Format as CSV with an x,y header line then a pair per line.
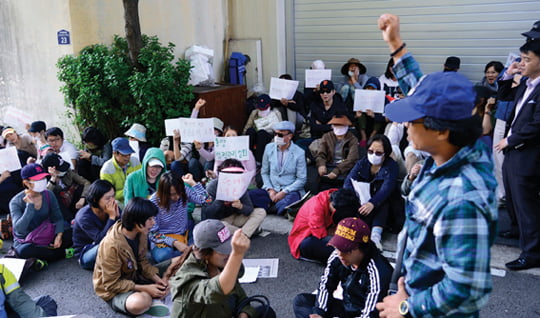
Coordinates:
x,y
63,37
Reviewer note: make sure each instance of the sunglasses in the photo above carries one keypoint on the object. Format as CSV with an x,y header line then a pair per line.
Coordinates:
x,y
280,135
377,153
325,91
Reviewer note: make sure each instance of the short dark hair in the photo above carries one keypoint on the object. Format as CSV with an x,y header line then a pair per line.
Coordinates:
x,y
462,132
137,212
96,191
389,74
387,146
230,163
285,76
498,66
168,180
346,204
531,46
94,135
54,131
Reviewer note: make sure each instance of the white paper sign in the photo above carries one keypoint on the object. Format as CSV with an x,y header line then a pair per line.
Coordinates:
x,y
232,147
315,77
15,265
200,129
282,88
369,99
231,186
9,160
16,118
266,122
362,189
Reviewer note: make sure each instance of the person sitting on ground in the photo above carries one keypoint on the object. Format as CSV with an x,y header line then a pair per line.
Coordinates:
x,y
169,235
21,142
316,223
14,301
122,164
451,64
123,277
356,264
283,171
207,283
37,132
36,208
143,182
381,172
293,110
206,151
68,186
259,125
93,221
137,140
324,109
337,153
55,138
249,164
235,214
97,150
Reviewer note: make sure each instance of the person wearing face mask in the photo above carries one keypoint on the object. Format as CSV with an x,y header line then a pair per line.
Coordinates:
x,y
380,171
259,125
37,132
337,153
137,140
69,187
283,171
169,235
97,150
29,209
21,142
144,182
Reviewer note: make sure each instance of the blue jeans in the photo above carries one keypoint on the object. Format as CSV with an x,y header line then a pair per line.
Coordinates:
x,y
261,199
193,166
87,259
160,254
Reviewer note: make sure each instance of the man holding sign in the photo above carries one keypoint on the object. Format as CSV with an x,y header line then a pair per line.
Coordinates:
x,y
232,185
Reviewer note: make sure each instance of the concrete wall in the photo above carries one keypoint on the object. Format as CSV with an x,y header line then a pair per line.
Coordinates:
x,y
29,49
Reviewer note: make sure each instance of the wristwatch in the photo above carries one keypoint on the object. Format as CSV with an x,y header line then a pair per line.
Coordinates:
x,y
404,309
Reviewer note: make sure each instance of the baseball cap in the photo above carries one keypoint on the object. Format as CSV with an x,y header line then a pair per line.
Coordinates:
x,y
534,33
349,233
122,146
54,160
33,172
441,95
213,234
155,162
37,126
263,101
452,62
284,125
326,85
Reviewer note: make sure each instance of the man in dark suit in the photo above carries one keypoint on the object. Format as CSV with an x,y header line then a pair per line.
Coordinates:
x,y
521,167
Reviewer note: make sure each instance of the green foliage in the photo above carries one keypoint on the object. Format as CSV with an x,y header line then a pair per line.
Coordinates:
x,y
106,92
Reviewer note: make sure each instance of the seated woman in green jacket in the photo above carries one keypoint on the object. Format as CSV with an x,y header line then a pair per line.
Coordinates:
x,y
144,182
207,283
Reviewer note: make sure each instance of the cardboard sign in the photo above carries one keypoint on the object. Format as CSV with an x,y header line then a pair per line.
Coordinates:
x,y
231,186
315,77
282,88
200,129
365,99
232,147
9,160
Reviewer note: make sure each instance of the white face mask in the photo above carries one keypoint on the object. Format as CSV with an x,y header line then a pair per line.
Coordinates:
x,y
279,141
340,130
264,113
351,73
134,144
40,185
374,159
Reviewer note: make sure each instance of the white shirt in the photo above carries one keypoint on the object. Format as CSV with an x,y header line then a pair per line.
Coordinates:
x,y
68,152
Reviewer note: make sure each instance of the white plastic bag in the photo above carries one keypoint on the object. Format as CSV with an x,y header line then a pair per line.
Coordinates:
x,y
202,72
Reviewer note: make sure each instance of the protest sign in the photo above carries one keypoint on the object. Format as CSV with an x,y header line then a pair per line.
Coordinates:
x,y
200,129
315,77
362,190
232,147
369,99
9,160
282,88
231,186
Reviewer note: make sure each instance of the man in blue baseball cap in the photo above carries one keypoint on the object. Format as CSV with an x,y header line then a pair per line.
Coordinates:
x,y
116,169
451,215
283,171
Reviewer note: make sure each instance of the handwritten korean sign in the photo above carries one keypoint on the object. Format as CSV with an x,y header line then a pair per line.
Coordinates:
x,y
231,186
200,129
232,147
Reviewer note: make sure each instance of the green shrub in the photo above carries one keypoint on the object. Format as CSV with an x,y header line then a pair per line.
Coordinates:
x,y
105,91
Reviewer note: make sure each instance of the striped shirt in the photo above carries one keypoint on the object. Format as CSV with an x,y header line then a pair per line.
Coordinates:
x,y
174,220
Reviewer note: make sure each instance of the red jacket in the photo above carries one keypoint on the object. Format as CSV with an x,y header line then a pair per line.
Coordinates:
x,y
313,218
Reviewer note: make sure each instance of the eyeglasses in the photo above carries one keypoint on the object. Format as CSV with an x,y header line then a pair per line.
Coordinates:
x,y
280,135
377,153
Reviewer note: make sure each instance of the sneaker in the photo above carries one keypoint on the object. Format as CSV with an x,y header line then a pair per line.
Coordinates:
x,y
158,309
39,265
70,252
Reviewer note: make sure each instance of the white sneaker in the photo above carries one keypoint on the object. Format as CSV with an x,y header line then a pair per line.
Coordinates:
x,y
158,309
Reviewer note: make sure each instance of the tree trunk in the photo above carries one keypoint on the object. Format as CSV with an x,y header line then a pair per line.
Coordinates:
x,y
133,31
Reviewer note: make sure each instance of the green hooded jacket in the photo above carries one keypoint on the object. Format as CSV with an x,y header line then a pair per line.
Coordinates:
x,y
136,184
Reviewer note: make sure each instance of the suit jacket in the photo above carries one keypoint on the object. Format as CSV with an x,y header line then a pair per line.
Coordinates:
x,y
291,177
524,141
